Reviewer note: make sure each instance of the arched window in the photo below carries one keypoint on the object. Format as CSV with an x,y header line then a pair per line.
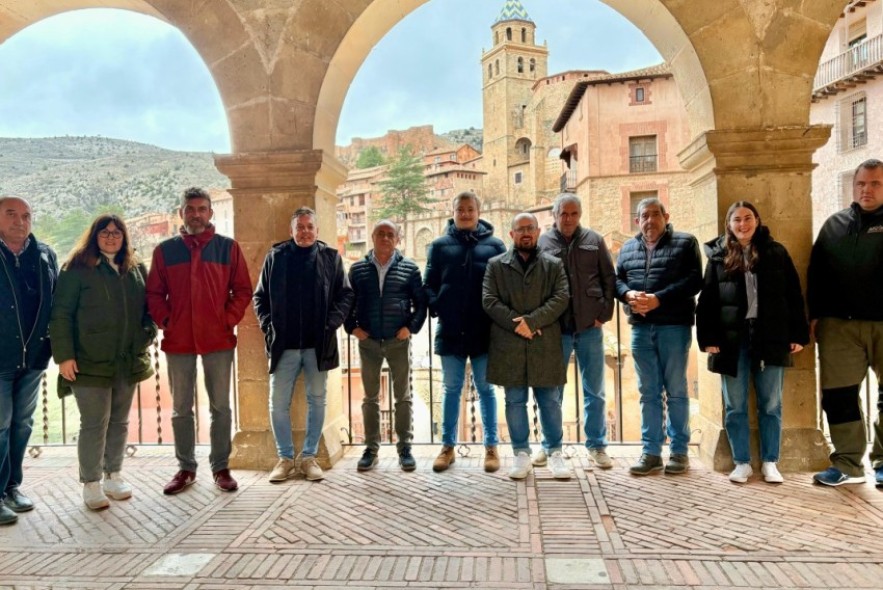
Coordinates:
x,y
523,35
508,33
533,65
496,37
522,148
490,70
497,67
520,65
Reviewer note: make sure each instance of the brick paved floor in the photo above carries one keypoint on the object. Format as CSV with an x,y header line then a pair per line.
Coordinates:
x,y
460,529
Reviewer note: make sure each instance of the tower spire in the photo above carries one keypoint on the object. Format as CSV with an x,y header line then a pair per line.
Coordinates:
x,y
513,10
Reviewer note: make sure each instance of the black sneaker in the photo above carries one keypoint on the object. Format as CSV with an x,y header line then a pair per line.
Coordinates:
x,y
677,464
368,461
646,465
406,460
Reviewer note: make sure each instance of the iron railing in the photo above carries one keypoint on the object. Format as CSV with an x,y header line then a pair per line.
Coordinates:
x,y
857,59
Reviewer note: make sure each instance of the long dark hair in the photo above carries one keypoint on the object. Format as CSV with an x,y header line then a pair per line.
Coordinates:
x,y
738,258
85,252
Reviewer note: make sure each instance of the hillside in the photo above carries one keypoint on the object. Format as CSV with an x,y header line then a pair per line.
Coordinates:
x,y
59,175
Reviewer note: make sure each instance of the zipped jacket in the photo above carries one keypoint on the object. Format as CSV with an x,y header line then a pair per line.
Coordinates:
x,y
100,319
590,274
332,299
723,303
845,278
197,291
672,272
26,347
455,266
401,305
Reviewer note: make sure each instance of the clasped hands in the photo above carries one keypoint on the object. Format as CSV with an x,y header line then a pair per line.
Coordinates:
x,y
641,302
523,330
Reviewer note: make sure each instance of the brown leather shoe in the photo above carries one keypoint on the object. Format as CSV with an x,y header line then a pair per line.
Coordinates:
x,y
491,459
444,460
181,480
225,481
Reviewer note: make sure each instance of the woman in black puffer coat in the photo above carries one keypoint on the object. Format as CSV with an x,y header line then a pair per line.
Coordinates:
x,y
751,319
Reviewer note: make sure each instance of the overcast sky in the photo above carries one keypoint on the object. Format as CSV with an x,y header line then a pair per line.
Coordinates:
x,y
120,74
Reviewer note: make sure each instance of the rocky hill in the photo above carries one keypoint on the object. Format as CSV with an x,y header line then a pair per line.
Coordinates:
x,y
472,136
59,175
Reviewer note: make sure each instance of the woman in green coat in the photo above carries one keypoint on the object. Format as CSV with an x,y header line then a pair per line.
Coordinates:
x,y
100,332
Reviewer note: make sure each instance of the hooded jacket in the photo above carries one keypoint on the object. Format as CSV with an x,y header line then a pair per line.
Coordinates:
x,y
455,267
197,291
332,300
100,319
723,303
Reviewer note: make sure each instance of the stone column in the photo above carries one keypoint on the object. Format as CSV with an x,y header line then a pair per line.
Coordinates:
x,y
772,169
267,188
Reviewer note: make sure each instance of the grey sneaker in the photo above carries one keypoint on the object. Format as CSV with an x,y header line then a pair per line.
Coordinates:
x,y
646,465
601,458
677,464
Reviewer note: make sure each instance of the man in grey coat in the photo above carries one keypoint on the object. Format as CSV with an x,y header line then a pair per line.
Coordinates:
x,y
524,293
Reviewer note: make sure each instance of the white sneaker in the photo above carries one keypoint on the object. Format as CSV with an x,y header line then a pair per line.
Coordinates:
x,y
771,473
94,496
539,458
741,473
521,467
558,467
116,487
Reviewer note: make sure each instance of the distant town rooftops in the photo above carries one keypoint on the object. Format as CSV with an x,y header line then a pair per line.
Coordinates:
x,y
658,71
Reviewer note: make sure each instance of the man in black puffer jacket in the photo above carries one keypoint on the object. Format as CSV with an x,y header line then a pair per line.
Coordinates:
x,y
455,265
389,307
658,274
845,290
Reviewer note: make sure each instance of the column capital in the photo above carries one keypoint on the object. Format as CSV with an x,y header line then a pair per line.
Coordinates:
x,y
277,171
753,151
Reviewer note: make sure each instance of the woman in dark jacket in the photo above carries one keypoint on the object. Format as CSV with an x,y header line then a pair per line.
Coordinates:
x,y
750,320
100,333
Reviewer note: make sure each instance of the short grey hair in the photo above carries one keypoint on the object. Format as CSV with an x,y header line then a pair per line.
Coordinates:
x,y
649,202
464,196
522,215
563,199
388,223
300,212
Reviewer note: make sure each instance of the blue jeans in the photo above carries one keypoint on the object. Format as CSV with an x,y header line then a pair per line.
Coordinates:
x,y
549,404
282,380
453,375
217,368
19,391
661,354
768,386
589,348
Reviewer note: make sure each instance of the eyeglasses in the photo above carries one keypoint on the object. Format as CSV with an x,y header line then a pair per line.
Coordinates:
x,y
106,235
527,229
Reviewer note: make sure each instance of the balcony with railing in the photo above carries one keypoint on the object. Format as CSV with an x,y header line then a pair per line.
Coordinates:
x,y
642,164
860,63
568,182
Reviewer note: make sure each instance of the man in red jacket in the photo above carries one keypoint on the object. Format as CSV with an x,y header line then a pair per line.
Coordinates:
x,y
197,291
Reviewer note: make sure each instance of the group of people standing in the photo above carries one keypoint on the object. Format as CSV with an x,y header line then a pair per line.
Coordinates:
x,y
514,316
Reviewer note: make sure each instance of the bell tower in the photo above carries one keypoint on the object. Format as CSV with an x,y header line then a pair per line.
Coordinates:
x,y
509,70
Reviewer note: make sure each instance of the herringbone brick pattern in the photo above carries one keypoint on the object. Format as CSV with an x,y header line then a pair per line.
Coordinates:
x,y
459,529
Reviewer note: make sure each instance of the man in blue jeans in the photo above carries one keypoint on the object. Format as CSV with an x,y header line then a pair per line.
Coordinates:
x,y
301,299
27,281
658,274
525,292
592,281
455,265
